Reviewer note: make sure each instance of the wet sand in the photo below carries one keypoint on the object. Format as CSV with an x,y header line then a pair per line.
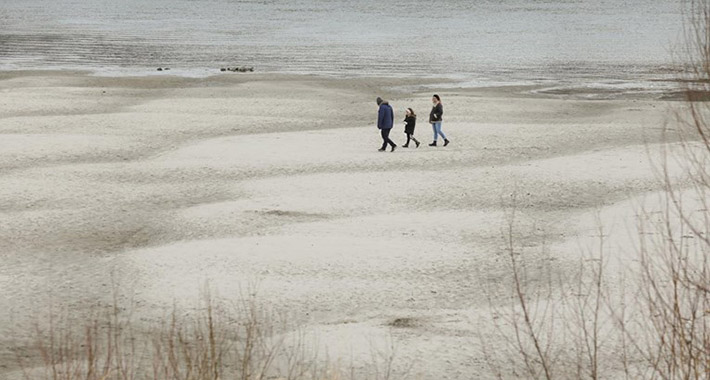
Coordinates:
x,y
164,183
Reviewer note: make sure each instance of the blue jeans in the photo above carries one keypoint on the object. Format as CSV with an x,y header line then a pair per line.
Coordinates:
x,y
437,131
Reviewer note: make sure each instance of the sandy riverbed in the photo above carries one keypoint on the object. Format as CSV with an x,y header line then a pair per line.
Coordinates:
x,y
163,183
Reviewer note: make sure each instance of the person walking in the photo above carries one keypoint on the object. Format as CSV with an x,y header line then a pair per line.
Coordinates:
x,y
385,121
435,118
410,121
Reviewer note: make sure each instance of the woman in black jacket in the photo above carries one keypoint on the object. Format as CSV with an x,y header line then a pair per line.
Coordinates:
x,y
435,117
410,122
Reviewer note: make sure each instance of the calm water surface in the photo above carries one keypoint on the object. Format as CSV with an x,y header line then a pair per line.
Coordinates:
x,y
620,44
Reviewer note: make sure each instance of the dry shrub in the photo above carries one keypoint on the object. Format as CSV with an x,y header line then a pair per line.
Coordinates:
x,y
654,323
218,340
547,323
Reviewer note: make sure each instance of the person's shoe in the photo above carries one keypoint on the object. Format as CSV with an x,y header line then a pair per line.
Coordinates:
x,y
405,146
417,142
381,150
446,142
433,144
393,146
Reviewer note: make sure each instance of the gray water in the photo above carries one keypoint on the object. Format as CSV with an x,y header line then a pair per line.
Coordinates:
x,y
623,44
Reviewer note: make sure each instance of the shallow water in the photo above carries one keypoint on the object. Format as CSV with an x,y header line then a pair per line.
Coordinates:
x,y
476,41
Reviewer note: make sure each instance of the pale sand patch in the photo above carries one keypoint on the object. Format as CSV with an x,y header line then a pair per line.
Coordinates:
x,y
292,267
21,148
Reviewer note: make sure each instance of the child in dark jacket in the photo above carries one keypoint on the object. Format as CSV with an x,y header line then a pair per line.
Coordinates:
x,y
410,121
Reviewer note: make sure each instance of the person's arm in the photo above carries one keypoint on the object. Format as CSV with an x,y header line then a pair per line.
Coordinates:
x,y
380,117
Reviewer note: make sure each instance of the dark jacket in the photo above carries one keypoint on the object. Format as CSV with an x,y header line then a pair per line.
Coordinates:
x,y
436,113
411,123
385,117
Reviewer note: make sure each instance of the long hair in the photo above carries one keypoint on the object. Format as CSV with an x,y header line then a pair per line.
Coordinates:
x,y
411,112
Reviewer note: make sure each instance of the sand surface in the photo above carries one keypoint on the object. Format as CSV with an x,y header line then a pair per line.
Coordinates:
x,y
163,183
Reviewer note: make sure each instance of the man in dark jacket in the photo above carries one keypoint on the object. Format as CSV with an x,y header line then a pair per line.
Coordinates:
x,y
385,121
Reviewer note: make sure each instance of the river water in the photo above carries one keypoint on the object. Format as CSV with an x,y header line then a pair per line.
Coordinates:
x,y
619,44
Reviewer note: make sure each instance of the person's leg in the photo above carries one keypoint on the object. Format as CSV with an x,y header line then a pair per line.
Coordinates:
x,y
384,133
437,128
436,134
387,137
441,133
409,137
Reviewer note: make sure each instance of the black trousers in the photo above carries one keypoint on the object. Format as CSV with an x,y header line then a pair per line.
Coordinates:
x,y
386,138
410,136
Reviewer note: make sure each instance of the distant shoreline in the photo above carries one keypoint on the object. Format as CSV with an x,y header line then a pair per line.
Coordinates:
x,y
661,88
